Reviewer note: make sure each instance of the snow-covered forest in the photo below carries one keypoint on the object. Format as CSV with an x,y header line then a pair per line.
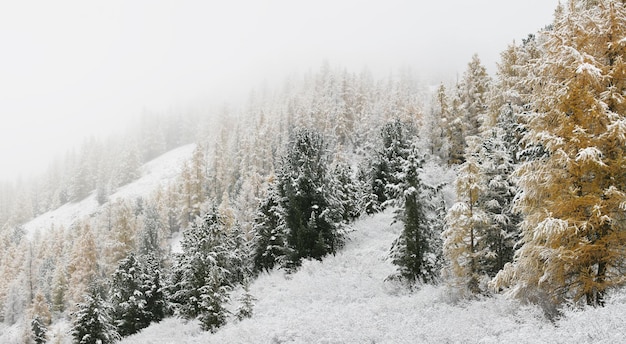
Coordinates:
x,y
499,195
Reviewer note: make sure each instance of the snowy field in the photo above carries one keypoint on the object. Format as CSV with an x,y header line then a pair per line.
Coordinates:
x,y
344,299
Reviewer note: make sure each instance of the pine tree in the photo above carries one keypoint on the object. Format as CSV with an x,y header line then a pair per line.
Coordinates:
x,y
311,212
92,323
128,297
572,197
39,330
396,145
152,287
270,237
347,191
205,272
499,234
246,309
83,265
414,251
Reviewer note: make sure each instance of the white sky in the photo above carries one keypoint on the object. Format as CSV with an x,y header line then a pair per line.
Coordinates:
x,y
70,69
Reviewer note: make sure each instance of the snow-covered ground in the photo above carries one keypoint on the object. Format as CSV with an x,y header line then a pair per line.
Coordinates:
x,y
153,174
344,299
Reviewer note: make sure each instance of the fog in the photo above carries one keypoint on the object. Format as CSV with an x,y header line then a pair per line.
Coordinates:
x,y
70,69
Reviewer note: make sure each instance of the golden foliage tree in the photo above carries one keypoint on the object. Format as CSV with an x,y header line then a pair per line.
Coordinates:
x,y
573,197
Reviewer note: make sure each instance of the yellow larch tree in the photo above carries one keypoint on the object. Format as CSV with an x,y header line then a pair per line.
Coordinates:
x,y
573,196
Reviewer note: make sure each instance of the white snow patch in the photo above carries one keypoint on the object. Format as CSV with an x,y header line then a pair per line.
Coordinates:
x,y
153,174
590,154
588,68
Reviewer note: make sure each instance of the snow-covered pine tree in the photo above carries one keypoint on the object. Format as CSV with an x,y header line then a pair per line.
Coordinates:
x,y
348,191
152,286
500,233
39,330
92,323
214,294
388,162
128,298
312,213
414,251
204,272
436,128
573,198
246,308
270,236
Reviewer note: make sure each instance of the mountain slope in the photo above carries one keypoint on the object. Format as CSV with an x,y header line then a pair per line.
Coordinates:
x,y
344,299
153,174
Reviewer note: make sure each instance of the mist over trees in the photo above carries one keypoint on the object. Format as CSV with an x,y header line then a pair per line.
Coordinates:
x,y
536,207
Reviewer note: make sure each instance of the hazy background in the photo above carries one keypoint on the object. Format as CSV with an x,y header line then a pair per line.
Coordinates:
x,y
70,69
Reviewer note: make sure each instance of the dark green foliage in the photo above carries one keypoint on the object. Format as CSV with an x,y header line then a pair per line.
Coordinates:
x,y
209,267
92,321
348,191
213,295
129,301
312,214
396,143
269,230
153,287
415,252
136,294
500,233
39,330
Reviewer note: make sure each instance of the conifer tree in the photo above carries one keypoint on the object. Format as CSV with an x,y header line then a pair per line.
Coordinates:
x,y
270,232
464,224
246,309
499,233
128,297
396,145
312,213
41,309
92,323
39,330
474,94
414,251
572,197
152,287
205,272
82,267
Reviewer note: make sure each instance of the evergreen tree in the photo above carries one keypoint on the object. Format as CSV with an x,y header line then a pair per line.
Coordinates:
x,y
39,330
396,145
270,232
152,287
572,198
414,251
312,213
500,232
205,272
92,323
246,308
348,192
130,313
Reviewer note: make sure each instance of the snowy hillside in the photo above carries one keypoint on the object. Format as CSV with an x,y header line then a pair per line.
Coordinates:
x,y
153,174
344,299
